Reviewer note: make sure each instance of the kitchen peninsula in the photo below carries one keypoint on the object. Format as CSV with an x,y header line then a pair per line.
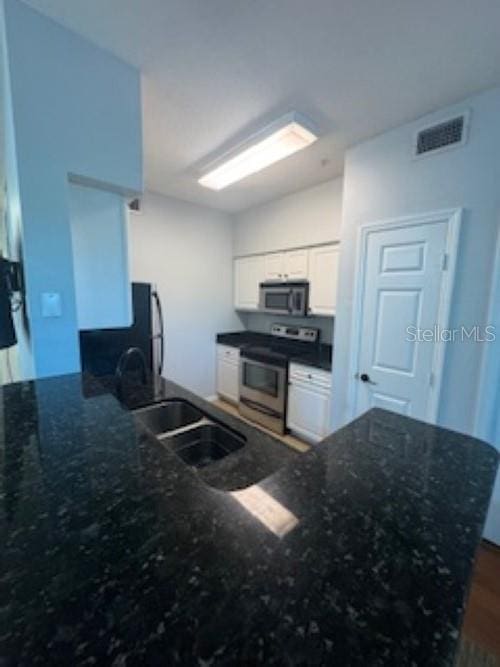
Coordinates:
x,y
114,551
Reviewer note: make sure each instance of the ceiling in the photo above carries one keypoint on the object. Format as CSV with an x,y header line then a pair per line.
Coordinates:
x,y
215,70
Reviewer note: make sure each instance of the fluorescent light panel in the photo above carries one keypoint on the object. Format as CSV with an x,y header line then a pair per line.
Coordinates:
x,y
288,139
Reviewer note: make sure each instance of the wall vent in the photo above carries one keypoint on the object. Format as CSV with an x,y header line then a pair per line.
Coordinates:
x,y
449,133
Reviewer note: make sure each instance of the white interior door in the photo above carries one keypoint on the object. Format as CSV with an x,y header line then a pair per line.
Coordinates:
x,y
403,268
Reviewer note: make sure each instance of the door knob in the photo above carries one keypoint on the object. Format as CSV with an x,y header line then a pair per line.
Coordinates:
x,y
364,377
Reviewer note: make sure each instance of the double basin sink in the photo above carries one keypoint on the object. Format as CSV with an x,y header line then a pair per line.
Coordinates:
x,y
194,437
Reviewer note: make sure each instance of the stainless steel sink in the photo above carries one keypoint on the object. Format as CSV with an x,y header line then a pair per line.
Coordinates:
x,y
187,431
202,445
163,418
195,439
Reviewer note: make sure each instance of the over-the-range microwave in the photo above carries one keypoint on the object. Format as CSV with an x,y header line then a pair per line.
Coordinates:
x,y
287,298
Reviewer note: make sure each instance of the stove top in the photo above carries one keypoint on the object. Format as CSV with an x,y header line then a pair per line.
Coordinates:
x,y
290,342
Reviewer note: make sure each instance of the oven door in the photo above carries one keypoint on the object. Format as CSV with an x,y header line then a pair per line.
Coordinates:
x,y
263,384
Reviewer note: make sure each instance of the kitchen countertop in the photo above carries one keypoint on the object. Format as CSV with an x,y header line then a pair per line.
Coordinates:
x,y
115,552
321,357
261,456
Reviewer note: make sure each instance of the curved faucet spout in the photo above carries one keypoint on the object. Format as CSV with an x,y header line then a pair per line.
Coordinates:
x,y
122,366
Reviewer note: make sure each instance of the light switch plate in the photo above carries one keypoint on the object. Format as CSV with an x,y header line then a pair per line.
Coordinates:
x,y
51,304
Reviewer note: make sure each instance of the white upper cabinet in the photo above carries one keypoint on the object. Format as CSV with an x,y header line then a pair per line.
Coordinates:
x,y
323,275
275,266
319,265
290,265
296,264
249,272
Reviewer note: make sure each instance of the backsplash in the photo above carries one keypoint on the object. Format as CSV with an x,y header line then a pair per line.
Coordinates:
x,y
262,322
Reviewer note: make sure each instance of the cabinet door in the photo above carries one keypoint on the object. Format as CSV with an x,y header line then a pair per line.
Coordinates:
x,y
248,274
323,274
228,379
275,266
296,263
308,412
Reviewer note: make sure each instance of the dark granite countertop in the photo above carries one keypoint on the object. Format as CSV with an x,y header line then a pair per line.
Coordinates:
x,y
241,338
113,552
320,358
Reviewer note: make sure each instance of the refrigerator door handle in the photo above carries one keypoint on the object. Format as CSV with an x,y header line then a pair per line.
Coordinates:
x,y
161,334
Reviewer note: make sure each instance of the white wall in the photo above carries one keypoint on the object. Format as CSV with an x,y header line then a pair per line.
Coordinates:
x,y
100,258
76,110
382,181
308,217
187,251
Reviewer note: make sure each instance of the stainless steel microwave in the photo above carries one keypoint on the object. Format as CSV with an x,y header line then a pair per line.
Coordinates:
x,y
290,298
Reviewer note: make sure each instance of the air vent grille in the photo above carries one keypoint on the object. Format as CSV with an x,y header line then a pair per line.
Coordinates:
x,y
442,135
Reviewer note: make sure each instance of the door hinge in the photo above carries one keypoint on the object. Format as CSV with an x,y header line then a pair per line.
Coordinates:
x,y
444,261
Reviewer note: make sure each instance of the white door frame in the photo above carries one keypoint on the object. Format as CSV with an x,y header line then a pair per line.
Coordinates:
x,y
453,218
486,407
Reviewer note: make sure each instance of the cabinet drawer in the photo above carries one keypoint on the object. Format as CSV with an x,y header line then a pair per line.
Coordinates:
x,y
310,375
228,353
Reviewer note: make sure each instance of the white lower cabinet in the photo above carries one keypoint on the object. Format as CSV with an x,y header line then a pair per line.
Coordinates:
x,y
309,402
228,372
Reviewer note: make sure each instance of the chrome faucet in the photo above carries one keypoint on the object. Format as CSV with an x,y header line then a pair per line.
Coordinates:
x,y
122,366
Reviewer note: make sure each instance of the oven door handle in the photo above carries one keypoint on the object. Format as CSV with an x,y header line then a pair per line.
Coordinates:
x,y
260,408
248,360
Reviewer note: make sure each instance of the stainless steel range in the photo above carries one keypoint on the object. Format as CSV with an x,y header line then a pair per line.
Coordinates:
x,y
264,374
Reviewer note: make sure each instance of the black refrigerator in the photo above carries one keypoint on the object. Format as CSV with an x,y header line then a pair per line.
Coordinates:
x,y
101,349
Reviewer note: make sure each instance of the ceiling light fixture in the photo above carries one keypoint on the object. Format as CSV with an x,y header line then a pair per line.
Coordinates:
x,y
282,138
